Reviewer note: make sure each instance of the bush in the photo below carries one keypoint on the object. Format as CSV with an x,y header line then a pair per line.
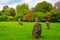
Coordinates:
x,y
28,17
18,16
46,17
55,15
3,18
10,18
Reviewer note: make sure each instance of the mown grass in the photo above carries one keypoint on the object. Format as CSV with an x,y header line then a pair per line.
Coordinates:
x,y
14,31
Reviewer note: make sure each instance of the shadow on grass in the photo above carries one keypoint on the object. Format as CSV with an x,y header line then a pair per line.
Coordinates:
x,y
42,37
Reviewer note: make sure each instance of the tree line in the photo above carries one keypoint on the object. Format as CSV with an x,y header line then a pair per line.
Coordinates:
x,y
43,10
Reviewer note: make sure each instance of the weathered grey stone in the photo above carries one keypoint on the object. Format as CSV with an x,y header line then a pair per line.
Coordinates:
x,y
47,24
20,22
37,29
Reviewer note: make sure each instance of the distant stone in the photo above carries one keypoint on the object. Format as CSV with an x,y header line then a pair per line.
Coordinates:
x,y
20,22
47,24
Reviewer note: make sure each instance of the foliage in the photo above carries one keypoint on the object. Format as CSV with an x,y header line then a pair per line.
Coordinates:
x,y
23,8
0,13
29,17
6,10
39,15
43,10
46,16
12,12
3,18
18,16
10,18
55,15
43,7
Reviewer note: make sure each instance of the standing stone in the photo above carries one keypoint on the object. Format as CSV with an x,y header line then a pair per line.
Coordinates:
x,y
37,29
47,25
20,22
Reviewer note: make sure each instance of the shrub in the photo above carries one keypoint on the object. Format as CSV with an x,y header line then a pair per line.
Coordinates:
x,y
18,16
3,18
29,17
10,18
46,17
55,15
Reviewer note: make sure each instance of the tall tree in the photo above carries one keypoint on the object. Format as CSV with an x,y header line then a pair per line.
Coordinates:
x,y
12,12
43,7
5,10
23,8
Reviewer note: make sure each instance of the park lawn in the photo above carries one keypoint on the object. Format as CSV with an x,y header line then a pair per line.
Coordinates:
x,y
14,31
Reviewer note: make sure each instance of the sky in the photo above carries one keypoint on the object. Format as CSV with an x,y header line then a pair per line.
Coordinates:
x,y
32,3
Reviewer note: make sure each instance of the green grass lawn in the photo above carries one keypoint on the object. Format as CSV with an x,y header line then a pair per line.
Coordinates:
x,y
14,31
